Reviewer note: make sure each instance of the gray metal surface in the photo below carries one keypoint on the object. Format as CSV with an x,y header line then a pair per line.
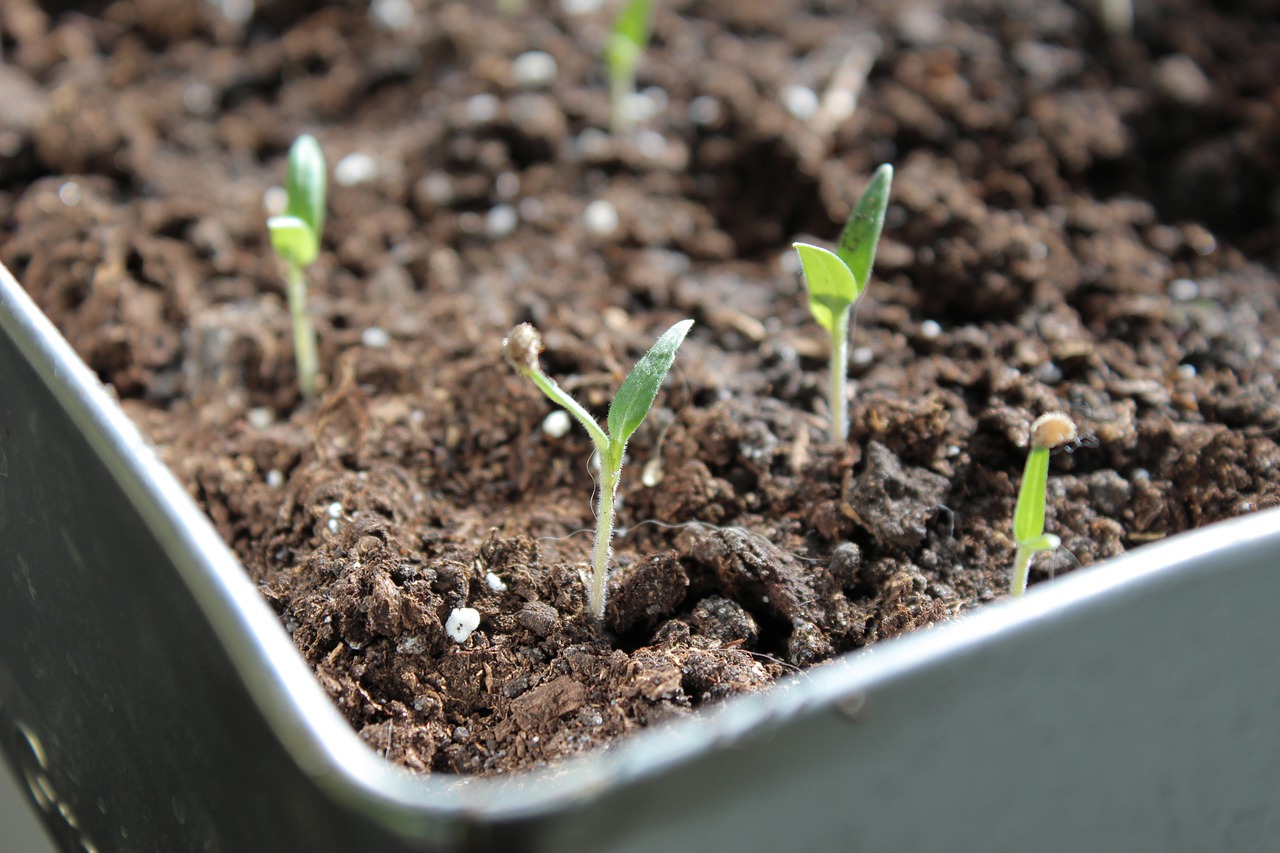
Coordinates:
x,y
1130,706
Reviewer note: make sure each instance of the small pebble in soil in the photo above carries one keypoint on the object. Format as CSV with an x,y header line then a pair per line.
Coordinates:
x,y
391,14
1109,492
507,185
261,417
274,201
580,7
1048,373
651,144
535,69
861,356
641,107
592,144
335,510
482,108
704,110
461,622
197,98
354,169
652,474
275,478
1187,371
557,424
69,193
1183,290
235,11
436,188
538,617
930,330
495,583
500,221
800,101
601,218
375,337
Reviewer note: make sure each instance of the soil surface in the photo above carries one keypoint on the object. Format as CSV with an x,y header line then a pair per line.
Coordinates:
x,y
1078,222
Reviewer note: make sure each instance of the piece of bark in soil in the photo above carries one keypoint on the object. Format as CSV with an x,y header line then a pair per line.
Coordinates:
x,y
894,502
759,575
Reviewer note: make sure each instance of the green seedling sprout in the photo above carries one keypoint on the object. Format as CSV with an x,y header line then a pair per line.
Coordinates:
x,y
627,411
627,40
1047,432
836,280
295,236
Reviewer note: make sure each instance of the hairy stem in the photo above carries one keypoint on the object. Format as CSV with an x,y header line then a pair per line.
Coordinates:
x,y
610,470
839,370
304,333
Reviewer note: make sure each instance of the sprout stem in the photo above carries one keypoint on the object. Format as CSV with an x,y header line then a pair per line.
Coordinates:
x,y
609,476
839,370
304,334
1021,568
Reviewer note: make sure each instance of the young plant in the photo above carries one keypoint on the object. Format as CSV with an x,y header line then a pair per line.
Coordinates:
x,y
1047,432
295,236
627,411
836,280
627,41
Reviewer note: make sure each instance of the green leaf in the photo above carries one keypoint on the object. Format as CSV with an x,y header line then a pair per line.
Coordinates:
x,y
832,287
305,183
640,388
1047,542
630,35
293,239
857,246
1028,515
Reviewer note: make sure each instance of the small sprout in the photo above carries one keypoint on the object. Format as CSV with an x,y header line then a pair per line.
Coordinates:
x,y
627,411
295,236
1047,432
627,41
461,623
836,280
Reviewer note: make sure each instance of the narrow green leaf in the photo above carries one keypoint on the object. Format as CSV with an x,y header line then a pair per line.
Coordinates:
x,y
632,28
640,388
832,288
293,239
857,246
306,182
1028,515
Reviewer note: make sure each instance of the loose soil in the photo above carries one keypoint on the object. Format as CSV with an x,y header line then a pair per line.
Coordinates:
x,y
1077,223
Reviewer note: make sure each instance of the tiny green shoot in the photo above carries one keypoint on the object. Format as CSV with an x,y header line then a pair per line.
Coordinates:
x,y
836,280
295,236
627,411
627,41
1047,432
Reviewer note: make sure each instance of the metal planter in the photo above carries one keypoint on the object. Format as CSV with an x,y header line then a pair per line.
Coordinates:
x,y
149,699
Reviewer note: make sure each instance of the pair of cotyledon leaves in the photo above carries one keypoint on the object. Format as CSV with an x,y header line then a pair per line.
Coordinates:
x,y
836,279
295,235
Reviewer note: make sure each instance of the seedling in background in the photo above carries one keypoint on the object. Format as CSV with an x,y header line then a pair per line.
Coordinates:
x,y
627,41
627,411
295,235
836,280
1047,432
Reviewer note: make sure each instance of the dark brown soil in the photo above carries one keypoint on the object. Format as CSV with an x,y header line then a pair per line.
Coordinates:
x,y
1077,223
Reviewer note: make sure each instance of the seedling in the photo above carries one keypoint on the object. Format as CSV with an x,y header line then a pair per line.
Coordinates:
x,y
295,236
836,280
627,41
627,411
1047,432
